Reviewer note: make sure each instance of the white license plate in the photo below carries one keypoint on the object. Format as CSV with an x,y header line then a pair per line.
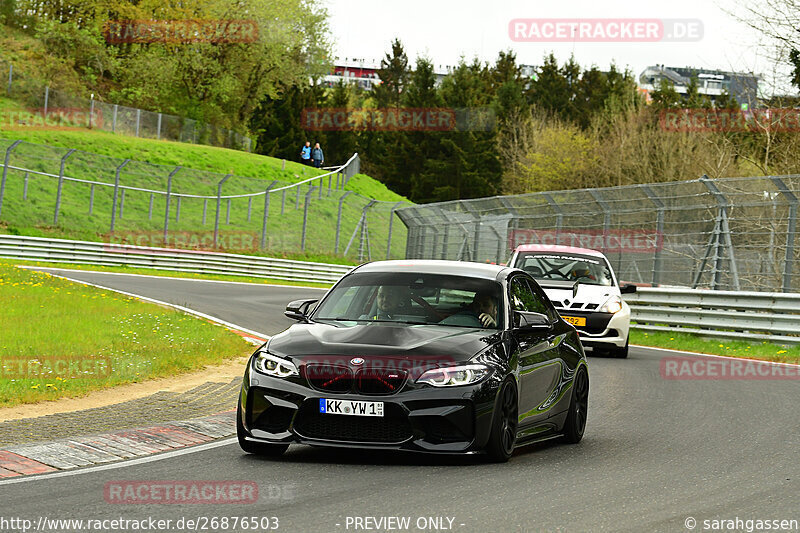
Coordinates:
x,y
350,407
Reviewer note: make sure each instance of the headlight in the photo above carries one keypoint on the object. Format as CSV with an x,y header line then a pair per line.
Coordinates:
x,y
272,365
612,305
454,375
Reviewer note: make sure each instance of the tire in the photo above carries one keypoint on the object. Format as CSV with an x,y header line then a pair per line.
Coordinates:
x,y
620,353
257,448
504,425
575,424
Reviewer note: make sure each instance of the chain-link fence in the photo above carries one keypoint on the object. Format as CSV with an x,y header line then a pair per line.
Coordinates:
x,y
733,233
44,106
95,197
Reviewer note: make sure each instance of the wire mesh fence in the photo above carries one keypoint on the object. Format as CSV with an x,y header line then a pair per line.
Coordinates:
x,y
43,106
732,234
95,197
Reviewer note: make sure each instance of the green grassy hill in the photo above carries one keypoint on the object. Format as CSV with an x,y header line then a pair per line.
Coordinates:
x,y
203,166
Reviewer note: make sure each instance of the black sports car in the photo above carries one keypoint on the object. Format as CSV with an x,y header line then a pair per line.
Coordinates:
x,y
435,356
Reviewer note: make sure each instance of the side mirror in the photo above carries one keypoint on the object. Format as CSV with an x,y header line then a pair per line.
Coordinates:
x,y
298,309
627,289
529,321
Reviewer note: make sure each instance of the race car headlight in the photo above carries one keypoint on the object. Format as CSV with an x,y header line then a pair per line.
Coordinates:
x,y
612,305
454,376
272,365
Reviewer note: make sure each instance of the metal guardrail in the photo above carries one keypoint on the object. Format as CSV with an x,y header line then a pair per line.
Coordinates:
x,y
773,317
735,315
109,254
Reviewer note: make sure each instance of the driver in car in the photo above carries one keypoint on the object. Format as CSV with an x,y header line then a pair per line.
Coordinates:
x,y
581,271
390,300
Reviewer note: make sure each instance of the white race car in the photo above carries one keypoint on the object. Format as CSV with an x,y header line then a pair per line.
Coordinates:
x,y
584,289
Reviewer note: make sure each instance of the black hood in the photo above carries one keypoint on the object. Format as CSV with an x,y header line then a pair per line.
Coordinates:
x,y
382,339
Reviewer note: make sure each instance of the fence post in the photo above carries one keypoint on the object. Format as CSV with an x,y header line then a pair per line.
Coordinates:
x,y
305,219
158,128
249,207
61,184
205,209
790,233
10,76
391,221
283,164
166,210
46,99
177,210
91,110
150,212
339,222
219,201
25,187
122,203
114,119
116,190
91,198
5,172
283,201
722,231
266,214
228,213
138,117
659,232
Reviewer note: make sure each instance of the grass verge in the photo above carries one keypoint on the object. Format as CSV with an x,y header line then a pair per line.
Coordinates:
x,y
692,343
63,339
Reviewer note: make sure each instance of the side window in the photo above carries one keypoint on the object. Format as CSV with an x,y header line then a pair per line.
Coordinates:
x,y
525,298
542,298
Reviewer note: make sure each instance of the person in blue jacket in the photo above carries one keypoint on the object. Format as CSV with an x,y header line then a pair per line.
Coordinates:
x,y
305,154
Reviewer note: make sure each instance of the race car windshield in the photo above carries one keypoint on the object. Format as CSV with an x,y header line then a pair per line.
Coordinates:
x,y
557,267
415,299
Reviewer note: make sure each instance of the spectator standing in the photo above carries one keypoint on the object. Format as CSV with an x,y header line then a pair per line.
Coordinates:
x,y
305,153
317,156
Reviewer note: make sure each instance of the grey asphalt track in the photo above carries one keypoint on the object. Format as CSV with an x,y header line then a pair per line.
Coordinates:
x,y
655,453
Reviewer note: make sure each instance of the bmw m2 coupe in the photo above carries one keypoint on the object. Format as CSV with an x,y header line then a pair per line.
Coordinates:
x,y
432,356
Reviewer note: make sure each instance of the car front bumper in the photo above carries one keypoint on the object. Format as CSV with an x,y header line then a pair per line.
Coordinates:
x,y
422,418
603,329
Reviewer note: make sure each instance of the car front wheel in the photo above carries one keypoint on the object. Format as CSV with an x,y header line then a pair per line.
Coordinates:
x,y
504,425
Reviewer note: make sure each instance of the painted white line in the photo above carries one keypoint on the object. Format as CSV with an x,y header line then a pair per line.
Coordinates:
x,y
776,363
174,306
33,267
122,464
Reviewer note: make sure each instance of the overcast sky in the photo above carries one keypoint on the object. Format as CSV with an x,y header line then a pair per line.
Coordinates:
x,y
447,29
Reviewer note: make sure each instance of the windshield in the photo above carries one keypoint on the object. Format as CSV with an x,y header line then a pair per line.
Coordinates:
x,y
409,298
566,267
